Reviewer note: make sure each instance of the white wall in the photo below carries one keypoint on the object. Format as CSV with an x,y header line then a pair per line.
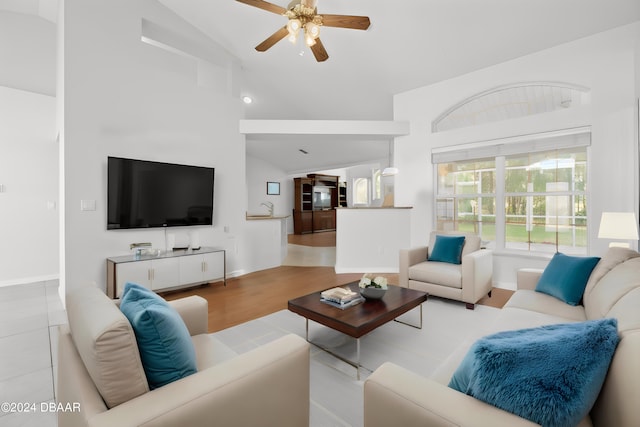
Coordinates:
x,y
604,62
258,173
27,53
369,240
29,160
126,98
29,194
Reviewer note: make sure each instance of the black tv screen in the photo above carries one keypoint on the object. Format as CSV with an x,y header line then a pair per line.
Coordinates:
x,y
145,194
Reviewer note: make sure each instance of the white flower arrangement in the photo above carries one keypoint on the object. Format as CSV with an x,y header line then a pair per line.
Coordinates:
x,y
377,282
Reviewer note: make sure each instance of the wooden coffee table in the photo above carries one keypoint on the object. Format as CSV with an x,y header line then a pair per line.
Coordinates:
x,y
360,319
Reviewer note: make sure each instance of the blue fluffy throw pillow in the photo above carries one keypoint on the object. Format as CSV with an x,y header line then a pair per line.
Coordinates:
x,y
447,249
550,375
164,343
566,277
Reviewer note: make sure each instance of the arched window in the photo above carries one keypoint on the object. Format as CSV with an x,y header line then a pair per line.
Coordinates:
x,y
377,184
361,191
511,101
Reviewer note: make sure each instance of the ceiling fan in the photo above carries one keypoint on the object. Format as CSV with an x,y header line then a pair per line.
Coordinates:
x,y
303,15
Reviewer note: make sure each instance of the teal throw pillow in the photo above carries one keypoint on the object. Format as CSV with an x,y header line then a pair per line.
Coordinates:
x,y
164,343
566,277
447,249
550,375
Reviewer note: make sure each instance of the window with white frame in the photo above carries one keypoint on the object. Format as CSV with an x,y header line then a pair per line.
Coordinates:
x,y
361,191
530,195
377,184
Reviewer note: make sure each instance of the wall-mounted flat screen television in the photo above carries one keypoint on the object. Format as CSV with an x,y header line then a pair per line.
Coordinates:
x,y
146,194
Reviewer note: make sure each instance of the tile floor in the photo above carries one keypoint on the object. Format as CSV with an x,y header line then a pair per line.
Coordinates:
x,y
29,319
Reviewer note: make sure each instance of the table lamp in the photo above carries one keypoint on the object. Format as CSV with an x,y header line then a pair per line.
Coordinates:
x,y
619,226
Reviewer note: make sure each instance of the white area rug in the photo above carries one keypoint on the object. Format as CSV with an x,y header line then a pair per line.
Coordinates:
x,y
336,395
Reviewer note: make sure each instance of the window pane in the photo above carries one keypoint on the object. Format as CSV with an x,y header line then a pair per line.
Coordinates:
x,y
469,214
546,223
377,184
361,191
466,178
545,203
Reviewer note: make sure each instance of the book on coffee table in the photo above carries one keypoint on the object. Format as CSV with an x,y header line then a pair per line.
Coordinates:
x,y
341,297
343,305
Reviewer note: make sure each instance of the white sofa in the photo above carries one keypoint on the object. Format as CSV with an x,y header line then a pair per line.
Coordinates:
x,y
102,381
468,282
395,396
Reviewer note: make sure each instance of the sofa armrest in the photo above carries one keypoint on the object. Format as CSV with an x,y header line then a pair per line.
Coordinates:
x,y
394,396
477,275
194,310
409,257
267,386
527,278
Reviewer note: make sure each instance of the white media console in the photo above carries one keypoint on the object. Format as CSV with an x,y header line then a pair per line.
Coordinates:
x,y
167,271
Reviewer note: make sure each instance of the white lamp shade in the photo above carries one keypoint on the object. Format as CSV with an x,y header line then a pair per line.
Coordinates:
x,y
618,225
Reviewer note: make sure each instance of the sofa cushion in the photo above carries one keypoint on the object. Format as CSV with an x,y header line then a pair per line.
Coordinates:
x,y
609,261
106,344
550,375
614,291
210,351
439,273
447,249
165,345
543,303
566,277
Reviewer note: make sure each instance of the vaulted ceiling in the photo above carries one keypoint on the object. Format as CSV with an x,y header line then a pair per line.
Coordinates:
x,y
410,43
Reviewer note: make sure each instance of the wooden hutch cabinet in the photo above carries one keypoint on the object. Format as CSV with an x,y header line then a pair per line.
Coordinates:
x,y
316,199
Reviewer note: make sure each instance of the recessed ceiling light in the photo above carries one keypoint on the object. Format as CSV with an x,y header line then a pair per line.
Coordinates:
x,y
247,99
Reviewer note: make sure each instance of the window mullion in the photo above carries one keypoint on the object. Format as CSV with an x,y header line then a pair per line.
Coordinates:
x,y
500,202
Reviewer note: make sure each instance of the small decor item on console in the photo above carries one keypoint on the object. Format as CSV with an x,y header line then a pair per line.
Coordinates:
x,y
181,241
141,249
373,288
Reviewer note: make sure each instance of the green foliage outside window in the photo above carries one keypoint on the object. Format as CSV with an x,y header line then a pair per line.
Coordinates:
x,y
545,204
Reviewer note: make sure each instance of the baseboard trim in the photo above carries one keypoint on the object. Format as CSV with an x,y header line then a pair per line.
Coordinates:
x,y
25,280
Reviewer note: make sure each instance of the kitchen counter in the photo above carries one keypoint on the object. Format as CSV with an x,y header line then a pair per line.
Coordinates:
x,y
260,217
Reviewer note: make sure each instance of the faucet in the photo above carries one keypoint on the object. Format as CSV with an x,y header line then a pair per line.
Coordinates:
x,y
269,206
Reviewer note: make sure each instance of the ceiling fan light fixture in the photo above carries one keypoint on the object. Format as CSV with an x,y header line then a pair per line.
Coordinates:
x,y
303,14
312,30
293,27
310,41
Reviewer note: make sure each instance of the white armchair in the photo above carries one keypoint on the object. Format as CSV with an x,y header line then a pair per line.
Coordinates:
x,y
467,282
100,374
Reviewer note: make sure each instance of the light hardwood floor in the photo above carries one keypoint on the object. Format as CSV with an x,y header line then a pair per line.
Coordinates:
x,y
264,292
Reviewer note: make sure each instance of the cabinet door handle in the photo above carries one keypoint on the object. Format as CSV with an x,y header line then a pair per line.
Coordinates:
x,y
204,266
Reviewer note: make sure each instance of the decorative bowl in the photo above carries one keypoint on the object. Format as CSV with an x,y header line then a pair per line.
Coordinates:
x,y
372,293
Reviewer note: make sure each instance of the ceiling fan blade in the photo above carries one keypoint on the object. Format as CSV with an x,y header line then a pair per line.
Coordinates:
x,y
319,51
346,21
273,39
265,5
